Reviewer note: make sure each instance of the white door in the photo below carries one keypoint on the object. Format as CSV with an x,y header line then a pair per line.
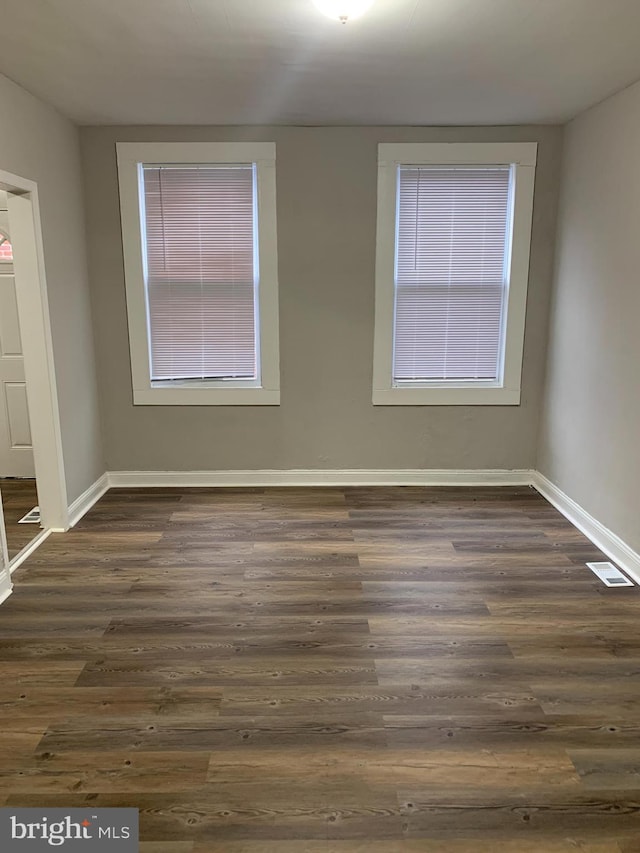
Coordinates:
x,y
16,451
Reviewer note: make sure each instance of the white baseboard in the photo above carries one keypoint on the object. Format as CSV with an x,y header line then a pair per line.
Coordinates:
x,y
319,477
87,499
21,556
602,537
608,542
77,509
7,592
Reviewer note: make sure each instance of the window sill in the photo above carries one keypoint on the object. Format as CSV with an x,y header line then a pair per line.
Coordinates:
x,y
190,396
467,396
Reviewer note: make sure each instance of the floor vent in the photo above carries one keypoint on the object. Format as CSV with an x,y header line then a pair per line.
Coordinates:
x,y
609,574
32,517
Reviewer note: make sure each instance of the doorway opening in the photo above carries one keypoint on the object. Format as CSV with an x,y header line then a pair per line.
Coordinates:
x,y
31,461
17,466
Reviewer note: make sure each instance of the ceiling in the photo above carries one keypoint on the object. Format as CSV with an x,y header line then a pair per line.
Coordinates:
x,y
421,62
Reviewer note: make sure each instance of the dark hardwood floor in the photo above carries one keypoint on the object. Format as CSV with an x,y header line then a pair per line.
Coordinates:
x,y
18,498
309,671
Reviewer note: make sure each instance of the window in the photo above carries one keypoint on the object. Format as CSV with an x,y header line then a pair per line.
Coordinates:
x,y
454,224
199,238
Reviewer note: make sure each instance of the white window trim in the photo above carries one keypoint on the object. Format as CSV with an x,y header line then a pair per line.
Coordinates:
x,y
130,156
522,155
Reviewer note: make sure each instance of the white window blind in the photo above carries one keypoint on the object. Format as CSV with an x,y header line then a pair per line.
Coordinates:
x,y
452,256
201,271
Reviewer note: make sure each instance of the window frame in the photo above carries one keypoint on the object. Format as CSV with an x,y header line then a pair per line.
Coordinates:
x,y
232,392
521,156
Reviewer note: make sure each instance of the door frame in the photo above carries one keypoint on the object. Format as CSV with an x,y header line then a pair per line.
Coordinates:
x,y
37,348
5,576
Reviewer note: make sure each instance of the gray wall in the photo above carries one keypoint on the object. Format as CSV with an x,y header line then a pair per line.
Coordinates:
x,y
589,440
326,182
37,143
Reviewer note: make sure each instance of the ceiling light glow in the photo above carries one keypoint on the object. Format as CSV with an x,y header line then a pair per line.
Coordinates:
x,y
343,10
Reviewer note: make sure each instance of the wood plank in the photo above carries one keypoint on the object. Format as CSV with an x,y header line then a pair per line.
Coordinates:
x,y
618,769
596,815
274,672
496,732
103,772
55,703
173,730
